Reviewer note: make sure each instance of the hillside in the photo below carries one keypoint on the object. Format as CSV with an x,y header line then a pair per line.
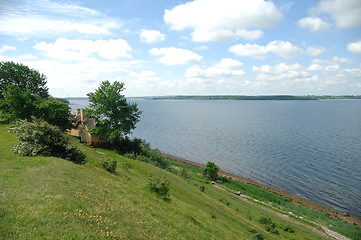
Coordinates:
x,y
51,198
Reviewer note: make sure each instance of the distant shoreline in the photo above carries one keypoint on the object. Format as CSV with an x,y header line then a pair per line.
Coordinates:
x,y
352,219
258,98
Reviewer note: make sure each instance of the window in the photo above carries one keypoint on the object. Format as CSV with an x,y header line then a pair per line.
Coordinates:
x,y
101,137
84,124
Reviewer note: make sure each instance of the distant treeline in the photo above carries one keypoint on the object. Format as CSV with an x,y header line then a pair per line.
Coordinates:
x,y
241,97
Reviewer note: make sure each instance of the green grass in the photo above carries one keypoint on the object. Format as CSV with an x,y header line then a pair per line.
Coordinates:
x,y
51,198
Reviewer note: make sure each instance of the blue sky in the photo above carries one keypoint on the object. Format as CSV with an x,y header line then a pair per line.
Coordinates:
x,y
199,47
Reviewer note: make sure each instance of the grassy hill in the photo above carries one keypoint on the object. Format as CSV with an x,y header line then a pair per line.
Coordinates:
x,y
51,198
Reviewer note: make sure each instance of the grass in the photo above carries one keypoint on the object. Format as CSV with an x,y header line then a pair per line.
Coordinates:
x,y
51,198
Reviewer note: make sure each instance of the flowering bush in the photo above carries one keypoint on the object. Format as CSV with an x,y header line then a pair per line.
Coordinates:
x,y
38,137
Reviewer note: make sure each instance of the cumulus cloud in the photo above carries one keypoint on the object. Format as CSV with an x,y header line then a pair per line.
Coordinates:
x,y
201,48
176,56
315,51
28,56
282,48
227,20
151,36
80,50
145,76
345,13
47,18
355,47
6,47
225,69
314,24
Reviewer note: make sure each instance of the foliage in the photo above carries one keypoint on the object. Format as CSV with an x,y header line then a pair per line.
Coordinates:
x,y
56,113
115,116
40,138
210,171
19,103
258,236
269,225
160,186
22,76
127,145
109,165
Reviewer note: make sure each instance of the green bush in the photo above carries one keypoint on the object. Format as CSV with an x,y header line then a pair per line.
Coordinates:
x,y
40,138
160,186
210,171
257,236
109,165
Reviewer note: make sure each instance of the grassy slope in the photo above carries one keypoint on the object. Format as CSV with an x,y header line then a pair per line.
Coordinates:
x,y
45,197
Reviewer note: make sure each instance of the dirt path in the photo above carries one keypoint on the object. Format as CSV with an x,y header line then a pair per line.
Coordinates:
x,y
344,216
327,232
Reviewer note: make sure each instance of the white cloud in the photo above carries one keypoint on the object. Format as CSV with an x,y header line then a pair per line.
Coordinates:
x,y
176,56
46,18
333,61
6,47
229,63
151,36
282,48
315,67
145,76
346,13
219,72
80,50
355,47
201,48
226,20
314,24
315,51
28,56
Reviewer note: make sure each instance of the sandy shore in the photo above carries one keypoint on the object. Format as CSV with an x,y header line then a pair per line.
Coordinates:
x,y
345,216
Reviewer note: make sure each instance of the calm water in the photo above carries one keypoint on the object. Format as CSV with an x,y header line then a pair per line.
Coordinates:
x,y
309,148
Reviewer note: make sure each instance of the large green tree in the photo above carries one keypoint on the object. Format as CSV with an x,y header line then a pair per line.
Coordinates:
x,y
19,104
115,116
22,76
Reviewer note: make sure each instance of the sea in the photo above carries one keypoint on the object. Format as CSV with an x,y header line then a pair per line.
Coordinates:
x,y
311,149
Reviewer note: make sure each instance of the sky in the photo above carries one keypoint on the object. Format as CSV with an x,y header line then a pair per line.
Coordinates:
x,y
200,47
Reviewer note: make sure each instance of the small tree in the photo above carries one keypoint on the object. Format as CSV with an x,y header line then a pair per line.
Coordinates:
x,y
210,171
56,113
114,115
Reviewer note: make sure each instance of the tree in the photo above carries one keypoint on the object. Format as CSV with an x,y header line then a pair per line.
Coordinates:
x,y
19,104
56,113
210,171
22,76
114,116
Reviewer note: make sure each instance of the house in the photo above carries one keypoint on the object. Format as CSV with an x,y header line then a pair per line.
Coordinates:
x,y
81,127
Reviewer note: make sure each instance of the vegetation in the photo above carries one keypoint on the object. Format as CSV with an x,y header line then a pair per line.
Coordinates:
x,y
38,137
210,171
50,198
23,77
236,97
23,94
242,97
115,116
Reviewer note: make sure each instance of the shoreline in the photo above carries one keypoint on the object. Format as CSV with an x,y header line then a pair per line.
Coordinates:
x,y
352,219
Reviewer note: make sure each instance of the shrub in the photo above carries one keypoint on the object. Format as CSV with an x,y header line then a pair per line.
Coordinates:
x,y
210,171
109,165
160,186
127,145
40,138
257,236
